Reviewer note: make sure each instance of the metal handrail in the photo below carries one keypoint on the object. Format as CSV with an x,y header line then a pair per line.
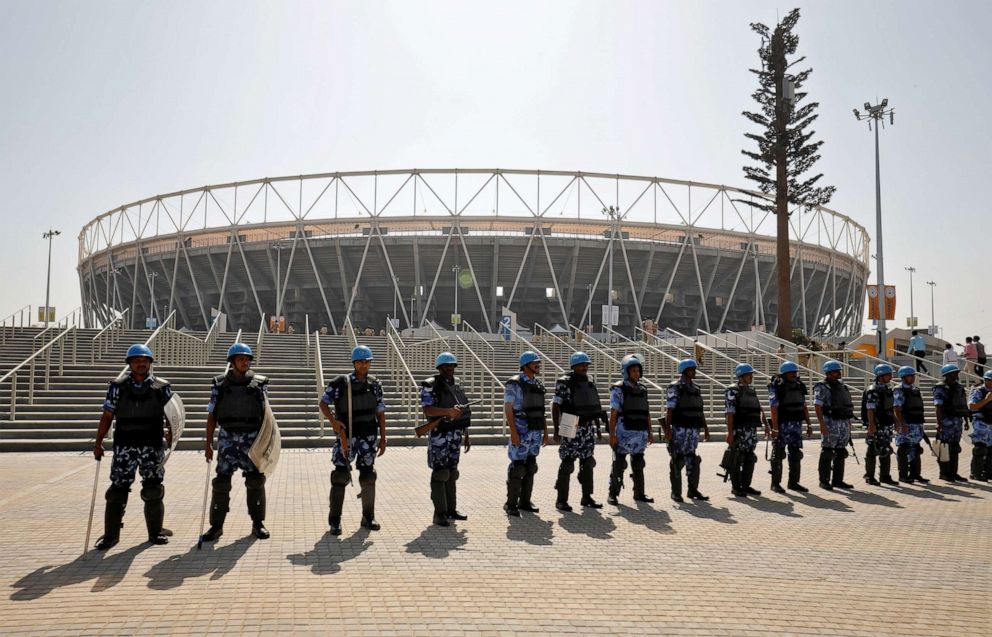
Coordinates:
x,y
408,403
531,346
30,362
108,336
319,376
713,350
13,316
306,329
758,351
602,351
392,330
213,333
479,336
260,338
350,329
74,314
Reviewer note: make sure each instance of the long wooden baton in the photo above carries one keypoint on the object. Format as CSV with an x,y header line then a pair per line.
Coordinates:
x,y
203,515
89,525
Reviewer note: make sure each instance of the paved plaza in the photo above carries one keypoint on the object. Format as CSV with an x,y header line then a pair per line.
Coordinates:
x,y
877,561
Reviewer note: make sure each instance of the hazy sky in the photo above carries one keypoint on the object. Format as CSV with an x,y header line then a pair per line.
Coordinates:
x,y
108,102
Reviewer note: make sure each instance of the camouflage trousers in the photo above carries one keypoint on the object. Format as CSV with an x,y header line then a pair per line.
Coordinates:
x,y
145,460
232,452
362,451
838,434
950,430
581,446
444,449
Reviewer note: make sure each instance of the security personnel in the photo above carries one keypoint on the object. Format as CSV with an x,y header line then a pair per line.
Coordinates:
x,y
576,394
684,418
787,403
630,428
359,415
136,400
237,404
952,409
744,415
907,406
878,406
523,407
834,410
980,404
442,396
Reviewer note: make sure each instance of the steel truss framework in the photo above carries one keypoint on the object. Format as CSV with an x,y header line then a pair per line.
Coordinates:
x,y
363,244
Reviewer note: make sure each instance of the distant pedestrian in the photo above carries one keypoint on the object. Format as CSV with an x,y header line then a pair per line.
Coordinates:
x,y
970,355
949,357
980,357
918,349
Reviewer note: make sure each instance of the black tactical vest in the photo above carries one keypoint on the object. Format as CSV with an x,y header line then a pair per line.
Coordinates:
x,y
634,410
956,405
364,421
884,415
912,405
688,410
985,413
584,401
447,395
791,396
747,408
239,406
533,407
140,415
840,406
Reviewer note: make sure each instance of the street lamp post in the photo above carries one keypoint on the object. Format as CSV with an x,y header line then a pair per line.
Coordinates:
x,y
396,296
912,314
588,305
877,114
151,291
933,322
614,215
456,269
48,278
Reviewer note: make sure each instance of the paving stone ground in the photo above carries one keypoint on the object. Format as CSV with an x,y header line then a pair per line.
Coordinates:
x,y
877,561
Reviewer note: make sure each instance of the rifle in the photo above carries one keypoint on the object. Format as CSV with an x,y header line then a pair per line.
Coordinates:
x,y
926,439
433,423
854,451
726,463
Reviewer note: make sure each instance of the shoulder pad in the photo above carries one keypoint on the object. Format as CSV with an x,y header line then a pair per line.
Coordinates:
x,y
341,379
257,380
515,379
372,380
429,381
619,384
564,379
159,383
820,384
801,384
220,379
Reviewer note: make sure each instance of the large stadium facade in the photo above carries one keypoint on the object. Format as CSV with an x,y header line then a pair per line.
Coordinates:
x,y
415,243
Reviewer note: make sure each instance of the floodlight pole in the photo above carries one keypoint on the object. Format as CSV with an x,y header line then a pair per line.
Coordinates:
x,y
48,278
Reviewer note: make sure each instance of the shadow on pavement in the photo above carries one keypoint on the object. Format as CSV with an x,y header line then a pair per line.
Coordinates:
x,y
588,522
871,497
213,561
330,551
815,501
707,511
782,507
530,529
437,543
657,520
107,570
949,490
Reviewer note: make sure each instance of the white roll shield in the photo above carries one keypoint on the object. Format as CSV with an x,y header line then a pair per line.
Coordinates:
x,y
175,413
264,452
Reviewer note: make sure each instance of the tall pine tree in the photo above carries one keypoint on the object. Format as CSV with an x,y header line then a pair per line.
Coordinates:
x,y
786,150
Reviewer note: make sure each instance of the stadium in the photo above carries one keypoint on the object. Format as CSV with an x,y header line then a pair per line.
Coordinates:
x,y
423,245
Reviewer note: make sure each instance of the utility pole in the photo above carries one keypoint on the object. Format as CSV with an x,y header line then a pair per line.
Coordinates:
x,y
614,215
933,322
877,114
912,315
784,99
456,269
48,278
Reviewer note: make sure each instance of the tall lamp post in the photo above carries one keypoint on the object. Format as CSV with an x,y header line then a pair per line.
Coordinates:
x,y
933,322
877,114
48,279
613,213
912,314
151,291
456,269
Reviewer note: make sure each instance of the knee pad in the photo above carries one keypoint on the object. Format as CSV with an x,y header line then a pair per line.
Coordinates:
x,y
587,463
531,465
222,484
841,453
919,450
956,447
620,460
340,477
518,470
699,460
796,452
366,475
254,480
440,475
152,490
117,494
779,453
568,465
637,462
753,457
453,474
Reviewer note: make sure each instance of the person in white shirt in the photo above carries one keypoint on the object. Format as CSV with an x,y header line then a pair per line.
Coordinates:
x,y
950,356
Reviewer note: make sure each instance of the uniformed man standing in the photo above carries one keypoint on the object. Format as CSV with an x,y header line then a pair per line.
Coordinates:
x,y
980,404
630,428
136,400
576,394
907,406
744,415
442,396
684,418
834,410
523,407
359,420
787,403
952,409
237,404
878,407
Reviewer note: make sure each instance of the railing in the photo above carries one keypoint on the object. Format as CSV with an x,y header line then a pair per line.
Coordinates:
x,y
42,337
259,339
409,398
213,333
306,329
734,362
349,329
523,344
31,363
16,319
108,336
74,317
488,351
319,377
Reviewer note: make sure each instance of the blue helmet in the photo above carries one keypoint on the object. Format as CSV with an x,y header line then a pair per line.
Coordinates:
x,y
578,358
445,358
882,369
831,366
987,375
361,353
138,350
685,364
905,371
742,369
239,349
950,368
787,366
529,357
629,361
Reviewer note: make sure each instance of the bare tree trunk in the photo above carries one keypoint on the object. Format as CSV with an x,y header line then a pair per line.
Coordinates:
x,y
782,251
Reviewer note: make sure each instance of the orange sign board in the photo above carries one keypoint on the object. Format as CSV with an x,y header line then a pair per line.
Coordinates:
x,y
874,310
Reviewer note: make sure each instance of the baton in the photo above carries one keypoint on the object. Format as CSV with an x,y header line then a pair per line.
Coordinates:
x,y
203,515
89,525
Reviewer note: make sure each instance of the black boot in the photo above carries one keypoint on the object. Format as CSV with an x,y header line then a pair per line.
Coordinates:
x,y
902,464
586,481
692,477
675,475
255,494
366,479
978,453
563,482
955,458
747,473
735,469
826,461
870,466
838,482
616,478
988,464
220,502
439,496
113,517
514,485
153,492
776,468
637,477
885,469
916,466
451,496
795,471
336,507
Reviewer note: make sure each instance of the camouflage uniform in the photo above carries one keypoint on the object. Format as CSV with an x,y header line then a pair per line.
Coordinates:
x,y
742,457
632,438
444,444
583,445
838,409
523,457
879,399
685,434
908,449
952,400
981,436
789,441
